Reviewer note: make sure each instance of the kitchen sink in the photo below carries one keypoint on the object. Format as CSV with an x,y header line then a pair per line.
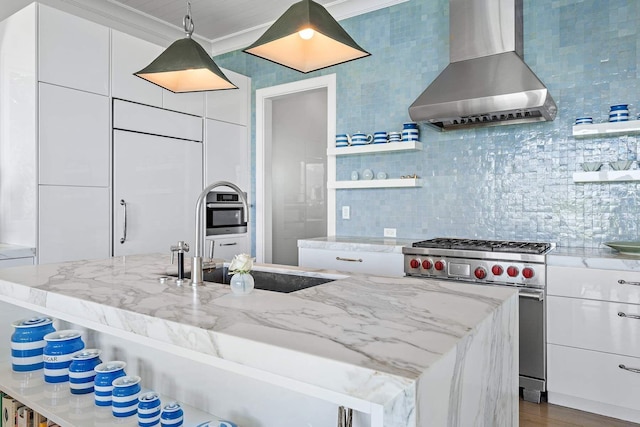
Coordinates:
x,y
268,280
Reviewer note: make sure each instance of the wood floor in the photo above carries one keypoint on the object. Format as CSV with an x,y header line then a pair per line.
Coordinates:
x,y
545,414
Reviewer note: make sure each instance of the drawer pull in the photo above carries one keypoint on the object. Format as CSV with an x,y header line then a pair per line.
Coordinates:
x,y
624,282
629,316
229,244
634,370
348,259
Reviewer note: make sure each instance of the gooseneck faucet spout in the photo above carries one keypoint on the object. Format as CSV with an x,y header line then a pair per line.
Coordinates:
x,y
196,266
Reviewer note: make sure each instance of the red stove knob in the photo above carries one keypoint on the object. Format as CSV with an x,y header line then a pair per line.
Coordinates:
x,y
439,265
512,271
528,272
426,264
497,270
480,273
414,263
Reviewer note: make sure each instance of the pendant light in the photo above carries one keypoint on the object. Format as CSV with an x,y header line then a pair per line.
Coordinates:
x,y
306,38
185,66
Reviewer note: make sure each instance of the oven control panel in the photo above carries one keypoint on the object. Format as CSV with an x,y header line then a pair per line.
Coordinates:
x,y
513,273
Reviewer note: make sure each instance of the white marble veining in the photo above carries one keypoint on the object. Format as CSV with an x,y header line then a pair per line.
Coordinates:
x,y
601,258
8,251
356,244
402,343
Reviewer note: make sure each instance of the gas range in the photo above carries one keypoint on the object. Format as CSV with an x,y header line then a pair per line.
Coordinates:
x,y
481,261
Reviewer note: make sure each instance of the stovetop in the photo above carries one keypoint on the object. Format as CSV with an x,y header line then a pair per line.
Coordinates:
x,y
481,261
485,245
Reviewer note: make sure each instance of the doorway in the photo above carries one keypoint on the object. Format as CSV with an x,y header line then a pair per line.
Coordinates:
x,y
295,123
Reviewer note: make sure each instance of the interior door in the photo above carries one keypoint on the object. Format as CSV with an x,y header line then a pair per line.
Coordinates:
x,y
156,183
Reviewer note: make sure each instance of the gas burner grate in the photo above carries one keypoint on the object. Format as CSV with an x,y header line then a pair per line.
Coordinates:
x,y
485,245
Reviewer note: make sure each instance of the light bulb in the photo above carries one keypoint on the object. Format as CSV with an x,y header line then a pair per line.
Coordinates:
x,y
306,34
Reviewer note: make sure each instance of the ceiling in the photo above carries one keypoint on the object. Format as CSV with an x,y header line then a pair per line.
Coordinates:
x,y
231,24
214,19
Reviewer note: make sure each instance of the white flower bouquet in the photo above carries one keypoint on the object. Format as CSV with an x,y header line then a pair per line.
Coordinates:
x,y
241,263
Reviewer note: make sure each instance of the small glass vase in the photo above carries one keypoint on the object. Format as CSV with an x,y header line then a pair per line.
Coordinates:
x,y
242,283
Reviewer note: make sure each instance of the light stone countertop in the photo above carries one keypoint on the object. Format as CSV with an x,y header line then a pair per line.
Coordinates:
x,y
356,244
368,337
602,258
8,251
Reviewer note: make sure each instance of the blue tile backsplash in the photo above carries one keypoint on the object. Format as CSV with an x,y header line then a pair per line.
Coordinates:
x,y
504,182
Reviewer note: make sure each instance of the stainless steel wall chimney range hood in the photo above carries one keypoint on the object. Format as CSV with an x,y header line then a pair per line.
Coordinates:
x,y
487,82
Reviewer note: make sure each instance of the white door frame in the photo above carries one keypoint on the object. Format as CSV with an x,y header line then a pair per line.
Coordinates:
x,y
264,98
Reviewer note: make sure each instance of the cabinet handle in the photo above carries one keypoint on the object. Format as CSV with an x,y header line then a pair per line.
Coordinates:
x,y
634,370
624,282
124,235
629,316
348,259
228,244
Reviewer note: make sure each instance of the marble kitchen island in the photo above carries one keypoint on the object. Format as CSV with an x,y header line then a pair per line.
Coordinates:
x,y
398,351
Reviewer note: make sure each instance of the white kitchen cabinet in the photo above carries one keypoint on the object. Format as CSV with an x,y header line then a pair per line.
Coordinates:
x,y
227,154
73,52
373,263
226,247
190,103
73,223
593,332
128,55
159,180
231,105
156,121
15,262
74,137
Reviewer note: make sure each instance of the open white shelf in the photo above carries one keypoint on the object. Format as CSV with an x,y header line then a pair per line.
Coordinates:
x,y
56,403
607,128
375,148
376,183
607,176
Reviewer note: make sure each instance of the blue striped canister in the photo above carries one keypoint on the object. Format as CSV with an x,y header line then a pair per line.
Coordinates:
x,y
172,415
60,347
82,372
27,343
149,409
125,396
106,373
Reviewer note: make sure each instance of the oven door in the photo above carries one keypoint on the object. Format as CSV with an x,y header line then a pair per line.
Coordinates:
x,y
225,219
533,355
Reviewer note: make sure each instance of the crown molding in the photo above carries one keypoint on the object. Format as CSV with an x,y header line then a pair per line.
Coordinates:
x,y
339,9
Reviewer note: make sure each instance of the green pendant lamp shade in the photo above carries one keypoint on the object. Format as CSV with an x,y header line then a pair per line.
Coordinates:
x,y
306,38
185,66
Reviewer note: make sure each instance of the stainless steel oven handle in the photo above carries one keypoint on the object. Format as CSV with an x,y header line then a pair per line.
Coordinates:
x,y
634,370
624,282
628,316
348,259
124,232
536,295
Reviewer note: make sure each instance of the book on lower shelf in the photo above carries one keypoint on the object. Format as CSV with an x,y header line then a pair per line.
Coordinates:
x,y
16,414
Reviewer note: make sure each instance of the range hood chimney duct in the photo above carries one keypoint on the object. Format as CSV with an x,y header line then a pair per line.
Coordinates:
x,y
487,82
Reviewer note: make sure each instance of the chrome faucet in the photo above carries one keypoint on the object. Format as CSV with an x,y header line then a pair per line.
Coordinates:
x,y
196,265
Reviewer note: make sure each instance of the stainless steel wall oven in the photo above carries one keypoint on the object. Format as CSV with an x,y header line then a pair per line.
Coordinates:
x,y
225,214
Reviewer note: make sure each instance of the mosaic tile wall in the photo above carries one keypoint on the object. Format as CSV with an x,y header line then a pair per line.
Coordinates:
x,y
504,182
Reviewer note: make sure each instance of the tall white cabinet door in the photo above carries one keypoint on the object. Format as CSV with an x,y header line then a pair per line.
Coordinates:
x,y
159,180
73,223
73,52
74,137
128,55
231,105
227,154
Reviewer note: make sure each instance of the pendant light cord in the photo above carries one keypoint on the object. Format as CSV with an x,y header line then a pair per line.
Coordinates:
x,y
187,21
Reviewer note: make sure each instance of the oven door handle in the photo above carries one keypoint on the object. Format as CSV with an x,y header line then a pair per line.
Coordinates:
x,y
536,295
